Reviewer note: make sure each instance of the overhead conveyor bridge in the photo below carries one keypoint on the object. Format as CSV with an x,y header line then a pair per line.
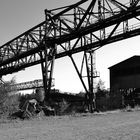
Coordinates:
x,y
81,27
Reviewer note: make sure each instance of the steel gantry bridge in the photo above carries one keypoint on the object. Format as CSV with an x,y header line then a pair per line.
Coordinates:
x,y
81,27
23,86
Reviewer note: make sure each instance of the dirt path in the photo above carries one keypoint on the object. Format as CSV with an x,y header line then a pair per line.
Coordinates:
x,y
109,126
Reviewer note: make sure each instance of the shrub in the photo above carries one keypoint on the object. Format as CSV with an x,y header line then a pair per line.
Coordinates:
x,y
8,102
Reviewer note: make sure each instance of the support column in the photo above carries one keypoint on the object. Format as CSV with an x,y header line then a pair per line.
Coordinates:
x,y
48,56
47,68
80,76
91,74
101,15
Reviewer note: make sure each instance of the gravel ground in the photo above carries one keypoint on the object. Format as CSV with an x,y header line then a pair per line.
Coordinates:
x,y
116,125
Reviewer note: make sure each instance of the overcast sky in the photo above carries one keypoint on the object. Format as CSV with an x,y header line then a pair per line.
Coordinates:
x,y
17,16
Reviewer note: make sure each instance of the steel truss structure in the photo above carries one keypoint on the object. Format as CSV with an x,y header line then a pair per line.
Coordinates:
x,y
27,85
82,27
24,86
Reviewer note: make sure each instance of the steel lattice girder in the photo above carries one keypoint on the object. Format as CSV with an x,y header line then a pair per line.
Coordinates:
x,y
79,27
27,85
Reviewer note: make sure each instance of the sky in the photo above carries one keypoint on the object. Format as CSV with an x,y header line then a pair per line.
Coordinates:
x,y
17,16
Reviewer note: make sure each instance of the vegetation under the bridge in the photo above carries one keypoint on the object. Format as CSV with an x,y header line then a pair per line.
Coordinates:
x,y
57,103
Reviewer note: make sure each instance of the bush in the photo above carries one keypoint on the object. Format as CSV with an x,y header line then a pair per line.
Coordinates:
x,y
8,103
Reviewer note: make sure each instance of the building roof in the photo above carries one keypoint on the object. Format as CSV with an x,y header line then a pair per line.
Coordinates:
x,y
133,61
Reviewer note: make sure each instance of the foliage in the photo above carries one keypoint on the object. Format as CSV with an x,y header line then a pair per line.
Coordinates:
x,y
10,105
100,85
8,102
81,94
101,91
4,90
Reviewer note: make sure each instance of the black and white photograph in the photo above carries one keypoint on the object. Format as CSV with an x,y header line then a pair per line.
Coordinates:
x,y
70,70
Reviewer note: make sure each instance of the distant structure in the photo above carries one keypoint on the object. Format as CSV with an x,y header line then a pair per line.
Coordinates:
x,y
126,74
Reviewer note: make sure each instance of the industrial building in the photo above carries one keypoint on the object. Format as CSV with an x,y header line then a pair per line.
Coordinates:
x,y
126,74
125,81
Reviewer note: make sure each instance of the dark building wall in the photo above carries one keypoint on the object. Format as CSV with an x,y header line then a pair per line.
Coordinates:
x,y
125,82
125,74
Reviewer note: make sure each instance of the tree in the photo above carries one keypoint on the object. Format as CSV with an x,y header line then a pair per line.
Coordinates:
x,y
100,85
101,92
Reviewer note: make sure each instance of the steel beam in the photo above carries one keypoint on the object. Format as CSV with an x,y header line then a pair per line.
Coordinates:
x,y
123,16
